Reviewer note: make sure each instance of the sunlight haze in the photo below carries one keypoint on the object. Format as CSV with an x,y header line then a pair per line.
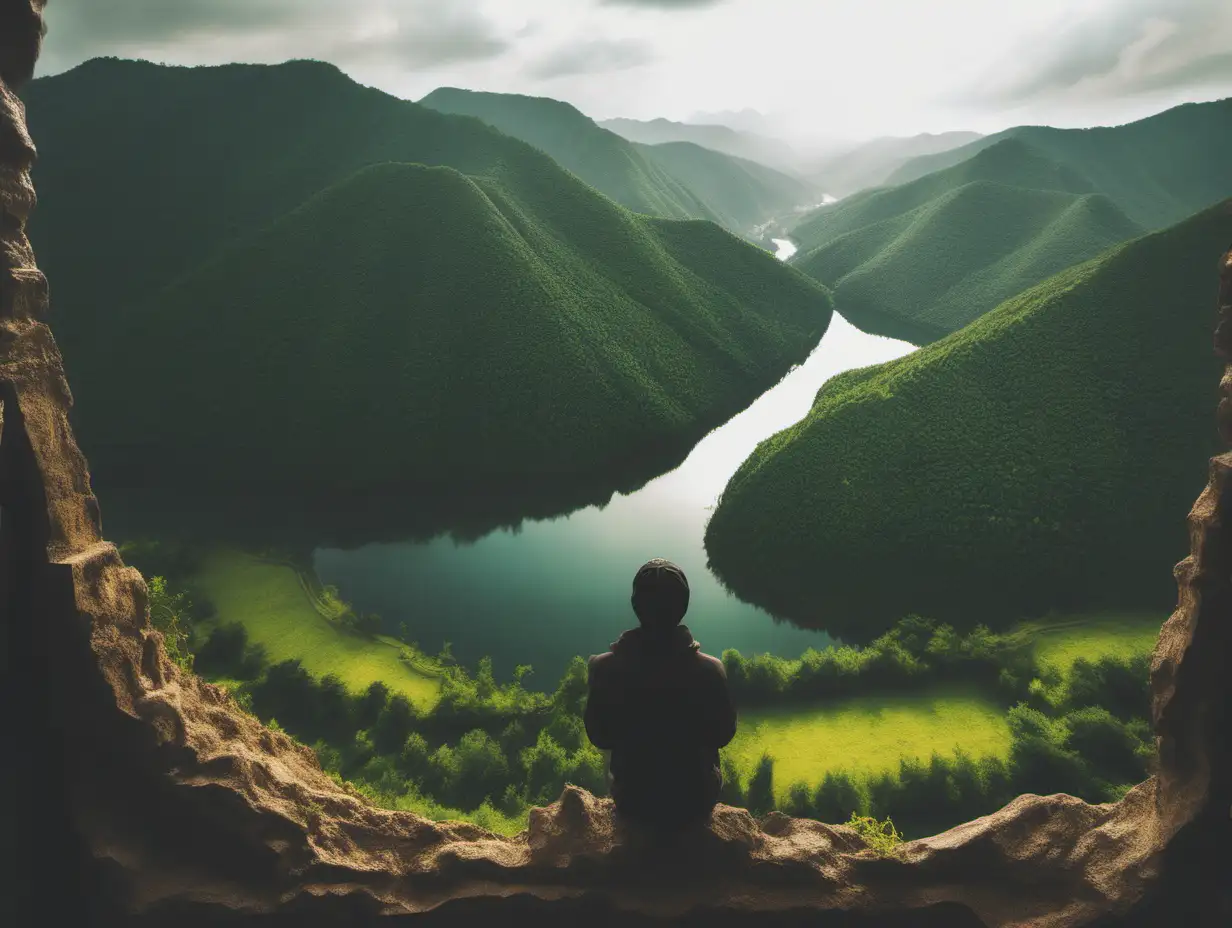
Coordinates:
x,y
840,70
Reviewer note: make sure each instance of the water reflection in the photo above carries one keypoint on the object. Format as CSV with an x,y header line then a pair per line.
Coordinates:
x,y
549,590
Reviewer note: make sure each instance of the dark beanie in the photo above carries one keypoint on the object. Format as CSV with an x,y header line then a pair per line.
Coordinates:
x,y
660,594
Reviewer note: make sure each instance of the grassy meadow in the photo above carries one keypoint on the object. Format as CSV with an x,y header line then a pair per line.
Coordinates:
x,y
867,735
278,611
1061,640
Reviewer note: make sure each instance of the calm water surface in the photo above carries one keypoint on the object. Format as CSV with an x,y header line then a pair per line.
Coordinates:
x,y
558,588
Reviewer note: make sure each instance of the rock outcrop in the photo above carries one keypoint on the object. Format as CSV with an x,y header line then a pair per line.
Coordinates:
x,y
144,795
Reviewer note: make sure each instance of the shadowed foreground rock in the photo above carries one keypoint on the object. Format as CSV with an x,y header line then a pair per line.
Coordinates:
x,y
144,796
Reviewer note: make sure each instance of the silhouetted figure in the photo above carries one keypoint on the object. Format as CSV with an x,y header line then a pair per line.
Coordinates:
x,y
661,707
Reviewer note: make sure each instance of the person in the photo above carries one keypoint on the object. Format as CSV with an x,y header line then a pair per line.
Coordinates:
x,y
661,707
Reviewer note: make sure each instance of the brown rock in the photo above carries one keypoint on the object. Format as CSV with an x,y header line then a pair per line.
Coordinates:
x,y
144,791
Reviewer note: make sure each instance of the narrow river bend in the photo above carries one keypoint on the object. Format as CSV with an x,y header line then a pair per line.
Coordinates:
x,y
559,588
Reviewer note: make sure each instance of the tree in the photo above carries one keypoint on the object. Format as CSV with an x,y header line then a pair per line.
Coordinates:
x,y
799,803
482,769
1109,747
546,764
394,724
761,786
838,796
371,704
732,792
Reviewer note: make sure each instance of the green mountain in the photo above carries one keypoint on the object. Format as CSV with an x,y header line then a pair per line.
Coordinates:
x,y
1044,457
603,159
326,321
1158,170
1010,163
871,163
933,270
742,193
724,139
922,260
677,180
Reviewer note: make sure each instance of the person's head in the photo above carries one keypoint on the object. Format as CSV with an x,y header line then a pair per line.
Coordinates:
x,y
660,594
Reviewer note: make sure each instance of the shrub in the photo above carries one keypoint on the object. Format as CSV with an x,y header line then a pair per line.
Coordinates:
x,y
1111,750
838,797
761,786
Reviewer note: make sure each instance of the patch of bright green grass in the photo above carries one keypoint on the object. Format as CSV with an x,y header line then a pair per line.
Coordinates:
x,y
270,601
1062,640
868,734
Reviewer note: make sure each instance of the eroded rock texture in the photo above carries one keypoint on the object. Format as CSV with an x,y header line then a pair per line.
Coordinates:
x,y
144,796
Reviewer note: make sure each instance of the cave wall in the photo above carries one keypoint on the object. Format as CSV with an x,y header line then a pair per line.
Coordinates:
x,y
143,795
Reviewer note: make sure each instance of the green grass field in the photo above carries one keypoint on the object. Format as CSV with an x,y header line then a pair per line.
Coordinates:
x,y
270,601
1062,640
868,734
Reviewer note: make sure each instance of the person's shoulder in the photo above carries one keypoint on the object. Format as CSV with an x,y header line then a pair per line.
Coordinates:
x,y
712,664
596,662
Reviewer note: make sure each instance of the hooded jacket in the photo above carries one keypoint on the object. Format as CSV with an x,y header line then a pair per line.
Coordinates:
x,y
663,710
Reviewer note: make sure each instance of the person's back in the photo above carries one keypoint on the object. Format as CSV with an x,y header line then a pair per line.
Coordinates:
x,y
661,707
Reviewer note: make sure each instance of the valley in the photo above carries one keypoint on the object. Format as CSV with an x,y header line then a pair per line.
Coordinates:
x,y
396,404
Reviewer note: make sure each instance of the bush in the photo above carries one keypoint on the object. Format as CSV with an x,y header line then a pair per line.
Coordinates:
x,y
838,797
732,792
1111,750
761,786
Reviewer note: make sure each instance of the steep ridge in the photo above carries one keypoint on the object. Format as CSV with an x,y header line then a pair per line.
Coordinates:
x,y
742,193
1158,170
703,183
1011,163
933,270
166,135
485,346
1037,459
159,801
601,158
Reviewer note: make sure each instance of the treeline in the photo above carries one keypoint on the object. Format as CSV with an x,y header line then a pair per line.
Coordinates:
x,y
915,652
1089,737
483,744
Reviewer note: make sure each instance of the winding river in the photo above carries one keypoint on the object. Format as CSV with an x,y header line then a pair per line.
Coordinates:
x,y
558,588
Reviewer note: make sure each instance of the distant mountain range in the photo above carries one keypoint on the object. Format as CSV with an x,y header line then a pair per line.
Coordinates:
x,y
928,256
872,163
271,280
1159,170
740,144
1042,457
679,180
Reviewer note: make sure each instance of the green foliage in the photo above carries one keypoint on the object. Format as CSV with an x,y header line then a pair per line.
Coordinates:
x,y
882,837
838,797
169,613
915,652
1005,471
363,253
733,792
760,796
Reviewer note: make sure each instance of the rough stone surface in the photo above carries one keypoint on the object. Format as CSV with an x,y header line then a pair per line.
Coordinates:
x,y
145,796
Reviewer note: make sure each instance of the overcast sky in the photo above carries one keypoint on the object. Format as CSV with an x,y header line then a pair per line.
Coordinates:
x,y
839,68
